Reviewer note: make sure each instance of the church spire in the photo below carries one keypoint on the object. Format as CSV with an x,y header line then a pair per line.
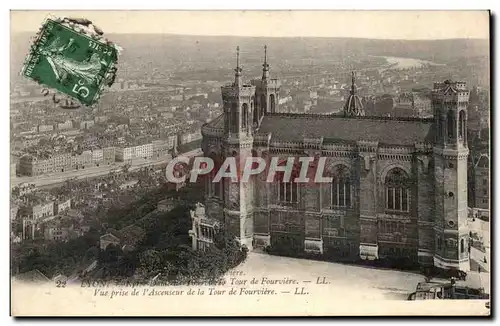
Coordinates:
x,y
265,71
353,83
237,75
353,106
265,55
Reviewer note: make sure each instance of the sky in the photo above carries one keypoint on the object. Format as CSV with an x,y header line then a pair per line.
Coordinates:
x,y
414,25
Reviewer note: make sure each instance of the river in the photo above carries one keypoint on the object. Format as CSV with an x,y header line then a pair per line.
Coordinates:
x,y
404,63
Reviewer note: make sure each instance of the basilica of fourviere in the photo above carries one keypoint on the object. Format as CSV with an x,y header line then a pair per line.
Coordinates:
x,y
399,186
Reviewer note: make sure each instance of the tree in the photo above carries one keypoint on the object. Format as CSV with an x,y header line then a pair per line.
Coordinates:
x,y
213,263
92,253
126,168
231,248
111,254
126,265
150,261
474,95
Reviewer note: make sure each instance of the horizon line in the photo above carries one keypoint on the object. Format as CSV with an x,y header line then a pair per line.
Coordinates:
x,y
290,37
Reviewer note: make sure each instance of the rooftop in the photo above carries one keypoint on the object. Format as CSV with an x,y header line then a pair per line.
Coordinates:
x,y
483,162
396,131
217,123
33,276
184,148
131,235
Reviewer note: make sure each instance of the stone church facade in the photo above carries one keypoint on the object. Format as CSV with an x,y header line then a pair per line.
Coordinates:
x,y
399,185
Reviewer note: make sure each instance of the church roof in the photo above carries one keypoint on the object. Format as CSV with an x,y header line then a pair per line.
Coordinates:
x,y
396,131
188,147
217,122
483,161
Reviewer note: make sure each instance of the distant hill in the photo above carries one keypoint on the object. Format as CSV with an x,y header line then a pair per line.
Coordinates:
x,y
157,50
434,50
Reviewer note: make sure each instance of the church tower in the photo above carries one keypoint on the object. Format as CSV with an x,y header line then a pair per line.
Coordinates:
x,y
353,106
238,99
449,101
267,93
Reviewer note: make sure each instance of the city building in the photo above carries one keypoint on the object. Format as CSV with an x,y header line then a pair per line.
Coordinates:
x,y
482,182
188,137
399,186
24,188
108,239
86,124
126,238
167,205
422,105
62,205
13,211
128,184
173,140
34,213
58,230
203,230
100,119
128,153
13,168
45,128
97,156
161,147
28,228
33,165
413,104
108,156
42,211
68,124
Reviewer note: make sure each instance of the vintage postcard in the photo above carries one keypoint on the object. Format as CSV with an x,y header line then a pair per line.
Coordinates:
x,y
250,163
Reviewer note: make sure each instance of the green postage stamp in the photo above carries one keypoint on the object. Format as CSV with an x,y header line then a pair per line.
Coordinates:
x,y
72,57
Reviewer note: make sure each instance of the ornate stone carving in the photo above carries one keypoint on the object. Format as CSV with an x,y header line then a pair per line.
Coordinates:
x,y
234,200
313,246
368,251
367,160
212,148
424,163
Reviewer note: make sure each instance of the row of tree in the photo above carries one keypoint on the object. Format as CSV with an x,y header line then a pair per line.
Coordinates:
x,y
164,250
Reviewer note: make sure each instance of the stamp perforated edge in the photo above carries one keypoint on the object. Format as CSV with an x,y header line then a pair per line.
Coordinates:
x,y
95,38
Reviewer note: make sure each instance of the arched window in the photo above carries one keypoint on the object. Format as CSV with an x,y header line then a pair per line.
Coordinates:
x,y
234,118
440,128
244,117
254,164
341,187
263,105
397,190
273,102
287,189
462,246
450,125
221,189
255,112
461,127
215,187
